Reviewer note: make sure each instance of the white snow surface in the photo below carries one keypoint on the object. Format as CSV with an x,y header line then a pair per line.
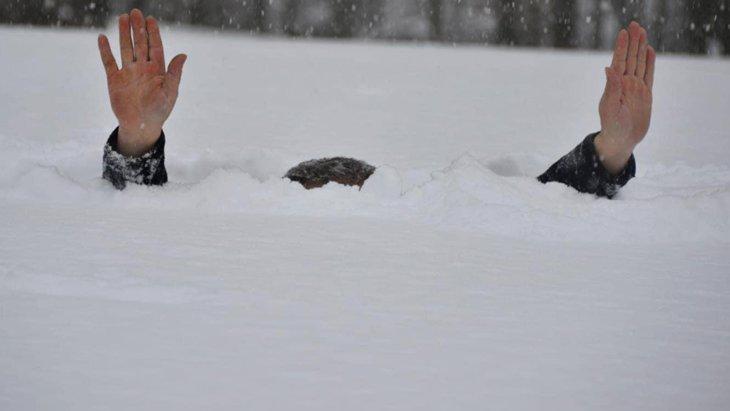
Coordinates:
x,y
453,280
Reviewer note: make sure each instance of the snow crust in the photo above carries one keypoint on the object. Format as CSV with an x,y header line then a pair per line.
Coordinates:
x,y
452,280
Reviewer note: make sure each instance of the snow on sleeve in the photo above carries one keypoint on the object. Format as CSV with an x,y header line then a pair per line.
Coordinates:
x,y
148,169
583,170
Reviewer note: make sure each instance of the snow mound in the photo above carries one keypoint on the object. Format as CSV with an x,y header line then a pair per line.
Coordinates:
x,y
496,196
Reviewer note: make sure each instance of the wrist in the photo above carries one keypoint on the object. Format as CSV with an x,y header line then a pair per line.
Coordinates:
x,y
136,140
614,153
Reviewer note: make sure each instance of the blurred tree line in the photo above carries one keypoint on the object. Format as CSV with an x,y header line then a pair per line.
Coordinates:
x,y
694,26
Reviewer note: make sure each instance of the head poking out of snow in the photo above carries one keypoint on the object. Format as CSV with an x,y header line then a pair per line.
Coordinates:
x,y
317,173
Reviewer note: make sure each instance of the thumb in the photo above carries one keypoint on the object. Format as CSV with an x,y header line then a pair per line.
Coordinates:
x,y
175,68
613,83
612,93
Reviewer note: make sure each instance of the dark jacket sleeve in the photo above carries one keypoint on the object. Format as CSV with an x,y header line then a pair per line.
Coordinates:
x,y
148,169
583,170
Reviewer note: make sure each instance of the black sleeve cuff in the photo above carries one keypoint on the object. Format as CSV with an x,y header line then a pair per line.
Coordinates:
x,y
583,170
148,169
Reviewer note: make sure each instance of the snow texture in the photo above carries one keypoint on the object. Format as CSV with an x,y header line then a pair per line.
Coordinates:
x,y
452,280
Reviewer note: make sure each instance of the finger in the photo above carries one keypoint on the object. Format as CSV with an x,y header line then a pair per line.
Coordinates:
x,y
157,52
174,72
631,59
650,63
619,51
641,64
139,32
107,58
125,41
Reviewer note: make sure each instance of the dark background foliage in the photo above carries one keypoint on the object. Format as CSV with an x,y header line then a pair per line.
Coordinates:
x,y
689,26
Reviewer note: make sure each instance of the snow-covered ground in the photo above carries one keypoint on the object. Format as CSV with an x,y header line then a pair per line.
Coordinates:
x,y
453,280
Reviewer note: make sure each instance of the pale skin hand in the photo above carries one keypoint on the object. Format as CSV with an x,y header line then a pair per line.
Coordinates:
x,y
142,93
625,107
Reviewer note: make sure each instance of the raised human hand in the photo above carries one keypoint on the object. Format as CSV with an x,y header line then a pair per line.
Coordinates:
x,y
142,93
625,107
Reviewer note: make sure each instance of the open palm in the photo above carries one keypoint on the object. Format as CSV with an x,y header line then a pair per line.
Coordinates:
x,y
142,93
625,107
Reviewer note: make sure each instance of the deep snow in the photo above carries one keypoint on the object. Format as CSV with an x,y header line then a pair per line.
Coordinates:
x,y
453,280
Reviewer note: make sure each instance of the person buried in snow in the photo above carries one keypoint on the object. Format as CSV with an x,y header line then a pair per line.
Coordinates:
x,y
143,92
